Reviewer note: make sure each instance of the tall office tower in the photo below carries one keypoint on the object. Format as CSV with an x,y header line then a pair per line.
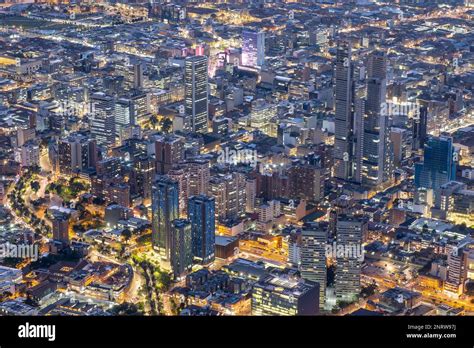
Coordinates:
x,y
102,118
142,174
138,76
419,128
124,116
262,114
201,213
140,106
344,153
439,164
377,155
283,295
250,195
181,176
349,236
455,272
199,173
196,93
181,254
229,192
60,224
313,257
165,209
76,153
169,151
253,48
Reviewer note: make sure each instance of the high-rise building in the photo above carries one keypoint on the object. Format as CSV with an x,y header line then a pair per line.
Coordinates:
x,y
201,213
253,48
60,224
196,93
377,154
103,119
169,151
165,209
419,128
349,256
344,151
439,164
138,76
182,178
229,193
181,255
199,173
124,116
306,182
76,153
283,295
313,257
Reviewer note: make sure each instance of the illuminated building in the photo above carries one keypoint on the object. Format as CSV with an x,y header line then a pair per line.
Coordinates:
x,y
377,154
439,165
181,255
261,115
253,48
76,153
165,209
349,238
344,152
196,94
169,151
103,119
202,216
60,223
313,257
281,295
229,193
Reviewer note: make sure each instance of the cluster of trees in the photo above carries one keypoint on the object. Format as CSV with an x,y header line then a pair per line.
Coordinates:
x,y
18,203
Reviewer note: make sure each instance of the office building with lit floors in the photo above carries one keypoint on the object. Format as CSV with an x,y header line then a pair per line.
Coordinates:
x,y
181,254
253,48
313,257
377,155
349,256
196,94
165,209
344,142
439,164
60,224
286,296
201,214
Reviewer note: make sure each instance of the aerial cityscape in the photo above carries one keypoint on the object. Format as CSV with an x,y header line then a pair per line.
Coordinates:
x,y
237,157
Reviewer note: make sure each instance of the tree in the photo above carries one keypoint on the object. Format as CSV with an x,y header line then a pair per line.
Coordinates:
x,y
35,186
126,234
166,125
153,120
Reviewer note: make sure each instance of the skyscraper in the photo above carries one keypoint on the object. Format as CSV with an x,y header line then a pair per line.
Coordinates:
x,y
103,119
181,255
202,216
138,76
165,209
377,154
253,48
344,152
169,151
349,256
313,257
439,163
196,93
76,153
